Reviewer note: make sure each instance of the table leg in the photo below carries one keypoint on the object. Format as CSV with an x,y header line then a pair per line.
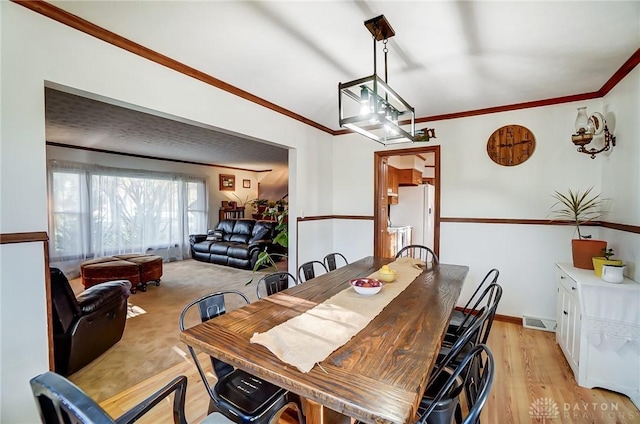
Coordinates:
x,y
316,413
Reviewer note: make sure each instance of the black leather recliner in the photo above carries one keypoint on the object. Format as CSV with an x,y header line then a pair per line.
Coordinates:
x,y
86,326
234,242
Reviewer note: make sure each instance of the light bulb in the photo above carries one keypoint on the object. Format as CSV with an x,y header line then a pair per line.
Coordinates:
x,y
365,108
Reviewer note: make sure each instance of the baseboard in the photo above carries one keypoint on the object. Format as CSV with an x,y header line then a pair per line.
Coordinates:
x,y
507,318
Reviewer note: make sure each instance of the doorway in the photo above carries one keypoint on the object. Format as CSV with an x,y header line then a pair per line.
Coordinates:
x,y
381,239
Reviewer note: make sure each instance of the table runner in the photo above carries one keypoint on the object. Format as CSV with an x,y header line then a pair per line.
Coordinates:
x,y
309,338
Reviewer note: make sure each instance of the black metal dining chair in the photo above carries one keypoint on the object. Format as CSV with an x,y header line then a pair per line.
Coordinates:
x,y
59,401
490,298
419,252
274,282
307,270
240,396
441,402
459,316
331,261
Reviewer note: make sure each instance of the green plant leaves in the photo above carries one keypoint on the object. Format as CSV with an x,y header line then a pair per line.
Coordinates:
x,y
577,207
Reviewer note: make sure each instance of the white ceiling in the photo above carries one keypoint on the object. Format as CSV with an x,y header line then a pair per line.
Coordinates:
x,y
446,57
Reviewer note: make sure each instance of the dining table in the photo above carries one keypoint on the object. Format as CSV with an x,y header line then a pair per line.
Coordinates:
x,y
377,376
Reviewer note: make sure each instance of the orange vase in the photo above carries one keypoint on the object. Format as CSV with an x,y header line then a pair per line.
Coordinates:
x,y
584,251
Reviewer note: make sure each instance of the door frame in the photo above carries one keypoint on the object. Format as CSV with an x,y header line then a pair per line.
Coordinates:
x,y
380,195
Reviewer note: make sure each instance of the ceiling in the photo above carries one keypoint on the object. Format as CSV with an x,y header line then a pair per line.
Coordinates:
x,y
79,121
446,57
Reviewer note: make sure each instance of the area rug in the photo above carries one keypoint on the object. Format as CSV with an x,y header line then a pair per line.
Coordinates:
x,y
150,343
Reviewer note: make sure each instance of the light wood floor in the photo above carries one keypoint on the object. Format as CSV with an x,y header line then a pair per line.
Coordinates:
x,y
530,368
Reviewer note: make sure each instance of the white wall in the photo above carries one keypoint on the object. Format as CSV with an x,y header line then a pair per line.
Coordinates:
x,y
621,171
36,50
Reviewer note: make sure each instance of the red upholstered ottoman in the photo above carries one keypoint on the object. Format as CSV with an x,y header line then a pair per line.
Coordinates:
x,y
150,268
100,270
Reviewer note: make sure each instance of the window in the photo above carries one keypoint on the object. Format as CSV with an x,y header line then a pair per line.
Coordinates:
x,y
98,211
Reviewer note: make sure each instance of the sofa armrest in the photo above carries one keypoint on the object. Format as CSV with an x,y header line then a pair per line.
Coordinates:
x,y
197,238
97,296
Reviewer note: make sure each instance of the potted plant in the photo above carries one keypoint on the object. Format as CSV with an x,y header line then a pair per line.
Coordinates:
x,y
268,258
599,261
260,204
281,204
580,208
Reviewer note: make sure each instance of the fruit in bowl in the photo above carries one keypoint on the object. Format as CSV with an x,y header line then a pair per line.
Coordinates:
x,y
366,286
386,274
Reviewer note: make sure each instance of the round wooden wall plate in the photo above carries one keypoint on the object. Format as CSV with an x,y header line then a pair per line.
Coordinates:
x,y
511,145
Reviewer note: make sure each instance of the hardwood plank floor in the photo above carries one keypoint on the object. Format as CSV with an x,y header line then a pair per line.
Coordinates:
x,y
530,371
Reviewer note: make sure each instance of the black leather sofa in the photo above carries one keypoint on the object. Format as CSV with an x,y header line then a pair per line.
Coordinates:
x,y
87,326
234,242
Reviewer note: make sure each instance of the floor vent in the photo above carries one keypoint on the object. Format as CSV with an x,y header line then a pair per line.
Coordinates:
x,y
539,323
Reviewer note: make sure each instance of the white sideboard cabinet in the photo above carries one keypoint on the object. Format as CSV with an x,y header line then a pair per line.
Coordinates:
x,y
599,330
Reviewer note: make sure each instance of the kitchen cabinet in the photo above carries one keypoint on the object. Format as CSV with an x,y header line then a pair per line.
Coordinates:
x,y
599,330
392,185
399,237
409,177
568,320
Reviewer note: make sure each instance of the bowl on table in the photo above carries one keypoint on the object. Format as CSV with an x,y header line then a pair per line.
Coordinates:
x,y
386,274
366,286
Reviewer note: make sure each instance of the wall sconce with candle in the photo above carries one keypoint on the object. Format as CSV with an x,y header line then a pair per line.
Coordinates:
x,y
587,127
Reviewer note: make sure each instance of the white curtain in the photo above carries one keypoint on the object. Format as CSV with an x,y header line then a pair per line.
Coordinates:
x,y
99,211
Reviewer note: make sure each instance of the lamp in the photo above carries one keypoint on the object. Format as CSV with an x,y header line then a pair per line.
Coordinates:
x,y
369,106
589,126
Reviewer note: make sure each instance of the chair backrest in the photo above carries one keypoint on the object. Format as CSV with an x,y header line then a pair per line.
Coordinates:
x,y
490,297
64,302
490,277
210,306
331,260
419,252
470,336
274,282
59,401
307,270
482,383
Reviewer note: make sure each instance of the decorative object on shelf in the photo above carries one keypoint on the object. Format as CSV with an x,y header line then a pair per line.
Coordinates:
x,y
606,259
227,182
579,208
376,110
425,134
511,145
587,127
246,183
613,273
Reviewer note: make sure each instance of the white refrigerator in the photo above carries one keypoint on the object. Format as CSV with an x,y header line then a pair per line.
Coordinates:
x,y
415,208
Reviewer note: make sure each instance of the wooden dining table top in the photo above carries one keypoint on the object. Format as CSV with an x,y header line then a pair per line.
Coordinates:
x,y
379,375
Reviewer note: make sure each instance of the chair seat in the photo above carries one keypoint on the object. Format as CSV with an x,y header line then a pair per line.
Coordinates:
x,y
446,407
247,393
456,318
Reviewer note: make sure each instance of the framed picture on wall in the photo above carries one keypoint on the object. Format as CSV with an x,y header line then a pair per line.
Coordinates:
x,y
246,183
227,182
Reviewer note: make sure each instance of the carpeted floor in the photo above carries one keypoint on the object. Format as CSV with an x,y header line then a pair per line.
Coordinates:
x,y
150,342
